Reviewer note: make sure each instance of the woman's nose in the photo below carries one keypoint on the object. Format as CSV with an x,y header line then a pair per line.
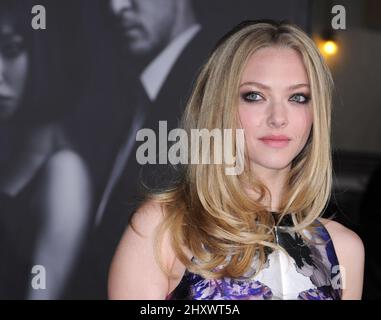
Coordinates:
x,y
277,117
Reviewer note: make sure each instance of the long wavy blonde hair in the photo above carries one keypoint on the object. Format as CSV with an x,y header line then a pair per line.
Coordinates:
x,y
207,211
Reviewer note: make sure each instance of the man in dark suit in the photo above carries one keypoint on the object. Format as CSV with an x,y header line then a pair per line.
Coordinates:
x,y
154,36
164,47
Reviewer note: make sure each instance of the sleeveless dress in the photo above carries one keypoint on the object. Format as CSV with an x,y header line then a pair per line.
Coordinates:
x,y
20,226
308,271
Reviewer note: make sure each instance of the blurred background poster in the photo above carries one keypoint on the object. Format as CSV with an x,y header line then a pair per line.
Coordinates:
x,y
74,92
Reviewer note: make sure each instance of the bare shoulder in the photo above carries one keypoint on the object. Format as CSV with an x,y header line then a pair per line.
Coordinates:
x,y
135,272
66,168
148,217
67,161
350,252
343,237
145,222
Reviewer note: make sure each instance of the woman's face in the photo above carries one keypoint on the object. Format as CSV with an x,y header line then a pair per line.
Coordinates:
x,y
274,99
13,69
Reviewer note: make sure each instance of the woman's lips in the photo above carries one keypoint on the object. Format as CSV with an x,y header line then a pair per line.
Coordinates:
x,y
275,143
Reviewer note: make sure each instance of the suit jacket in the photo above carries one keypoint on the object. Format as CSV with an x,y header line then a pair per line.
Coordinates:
x,y
91,279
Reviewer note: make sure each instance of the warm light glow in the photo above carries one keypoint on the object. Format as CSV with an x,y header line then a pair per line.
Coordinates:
x,y
330,47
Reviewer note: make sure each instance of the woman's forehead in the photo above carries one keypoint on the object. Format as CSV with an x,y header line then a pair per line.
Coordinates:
x,y
269,65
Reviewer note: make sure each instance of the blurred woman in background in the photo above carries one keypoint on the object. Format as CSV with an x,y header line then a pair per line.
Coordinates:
x,y
45,192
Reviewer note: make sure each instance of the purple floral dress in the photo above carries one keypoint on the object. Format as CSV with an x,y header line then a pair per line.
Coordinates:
x,y
306,271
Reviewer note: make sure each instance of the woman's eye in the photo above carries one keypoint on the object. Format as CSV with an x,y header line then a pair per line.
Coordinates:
x,y
300,98
251,96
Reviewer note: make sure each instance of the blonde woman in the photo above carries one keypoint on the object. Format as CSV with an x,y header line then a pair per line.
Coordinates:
x,y
258,234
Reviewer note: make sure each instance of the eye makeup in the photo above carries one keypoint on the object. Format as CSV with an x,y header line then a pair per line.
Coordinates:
x,y
305,98
251,96
254,96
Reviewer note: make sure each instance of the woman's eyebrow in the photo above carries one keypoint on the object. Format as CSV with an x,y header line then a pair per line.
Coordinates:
x,y
257,84
297,86
265,87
